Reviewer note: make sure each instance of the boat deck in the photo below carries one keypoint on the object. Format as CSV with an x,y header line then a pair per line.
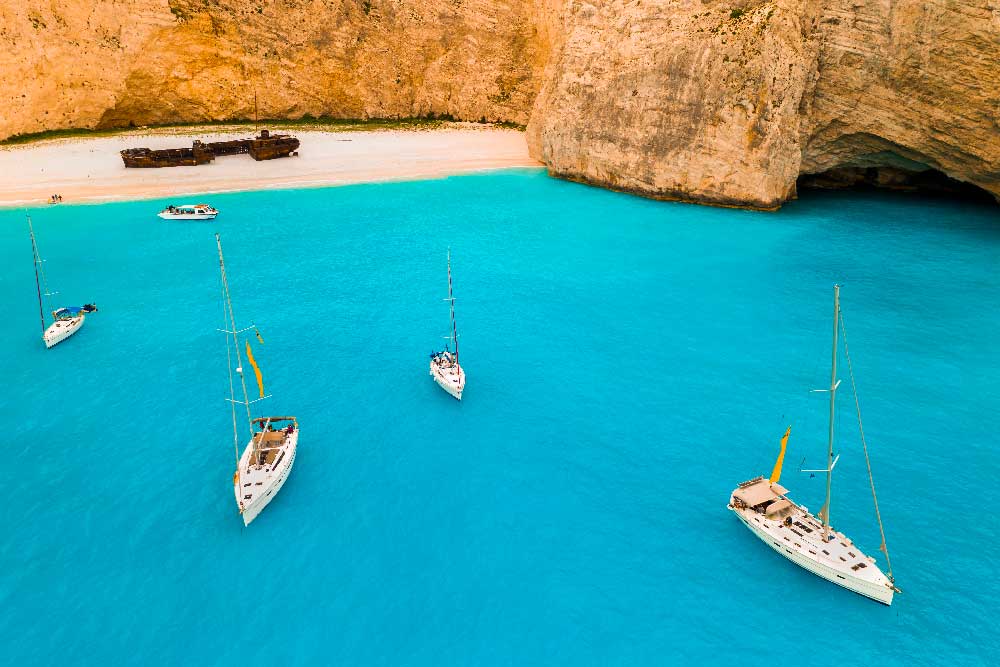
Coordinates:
x,y
796,529
263,463
806,532
449,375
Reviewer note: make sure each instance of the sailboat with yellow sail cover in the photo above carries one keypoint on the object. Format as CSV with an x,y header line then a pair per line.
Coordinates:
x,y
809,541
267,460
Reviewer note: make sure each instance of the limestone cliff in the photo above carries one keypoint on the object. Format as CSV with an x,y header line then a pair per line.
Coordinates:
x,y
908,84
108,63
728,102
725,102
63,62
682,99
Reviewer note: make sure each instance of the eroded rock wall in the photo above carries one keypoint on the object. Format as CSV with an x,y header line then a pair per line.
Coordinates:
x,y
685,99
909,85
728,102
63,63
113,63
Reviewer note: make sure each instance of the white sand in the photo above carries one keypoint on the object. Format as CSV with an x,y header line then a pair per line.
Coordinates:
x,y
88,170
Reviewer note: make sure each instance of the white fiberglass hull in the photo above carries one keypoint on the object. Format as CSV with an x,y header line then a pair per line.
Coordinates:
x,y
794,546
61,330
270,481
449,378
187,216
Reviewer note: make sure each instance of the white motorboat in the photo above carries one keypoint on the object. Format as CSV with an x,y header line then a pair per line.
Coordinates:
x,y
809,541
444,368
65,321
267,460
188,212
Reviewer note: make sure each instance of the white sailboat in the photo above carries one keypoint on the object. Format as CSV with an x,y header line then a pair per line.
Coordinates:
x,y
445,369
810,542
267,460
65,321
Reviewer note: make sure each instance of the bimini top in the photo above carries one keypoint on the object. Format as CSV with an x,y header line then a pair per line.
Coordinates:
x,y
759,492
261,420
73,311
780,509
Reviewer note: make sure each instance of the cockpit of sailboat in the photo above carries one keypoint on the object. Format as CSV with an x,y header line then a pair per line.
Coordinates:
x,y
270,436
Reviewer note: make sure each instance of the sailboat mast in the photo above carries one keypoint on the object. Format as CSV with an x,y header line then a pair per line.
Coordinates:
x,y
833,399
451,299
236,343
38,284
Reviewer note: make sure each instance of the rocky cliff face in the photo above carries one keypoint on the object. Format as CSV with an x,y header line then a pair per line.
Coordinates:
x,y
107,63
684,100
907,85
728,102
725,102
63,63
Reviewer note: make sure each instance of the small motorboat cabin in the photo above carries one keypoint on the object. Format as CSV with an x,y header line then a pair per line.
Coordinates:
x,y
188,212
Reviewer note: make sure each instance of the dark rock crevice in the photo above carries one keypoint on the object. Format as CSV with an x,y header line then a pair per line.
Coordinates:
x,y
925,181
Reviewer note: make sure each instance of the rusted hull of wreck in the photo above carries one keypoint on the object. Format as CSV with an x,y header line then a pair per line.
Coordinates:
x,y
267,146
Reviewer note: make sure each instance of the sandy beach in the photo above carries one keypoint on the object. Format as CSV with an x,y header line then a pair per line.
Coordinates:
x,y
91,170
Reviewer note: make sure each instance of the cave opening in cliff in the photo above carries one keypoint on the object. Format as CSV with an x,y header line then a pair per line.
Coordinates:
x,y
926,182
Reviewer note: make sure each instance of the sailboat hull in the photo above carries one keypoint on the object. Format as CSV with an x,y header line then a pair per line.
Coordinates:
x,y
60,330
271,481
794,547
450,379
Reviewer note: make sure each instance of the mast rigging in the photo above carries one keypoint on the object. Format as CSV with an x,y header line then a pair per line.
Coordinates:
x,y
833,398
38,284
864,445
228,309
451,299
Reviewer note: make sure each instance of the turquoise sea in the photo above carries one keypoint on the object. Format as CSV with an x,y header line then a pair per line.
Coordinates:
x,y
628,362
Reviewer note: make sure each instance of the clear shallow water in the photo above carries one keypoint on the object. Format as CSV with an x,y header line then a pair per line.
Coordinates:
x,y
629,361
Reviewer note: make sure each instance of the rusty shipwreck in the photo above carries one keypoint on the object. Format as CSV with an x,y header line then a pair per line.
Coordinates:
x,y
265,146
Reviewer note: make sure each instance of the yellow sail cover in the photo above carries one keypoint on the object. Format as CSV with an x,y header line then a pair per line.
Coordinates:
x,y
775,474
260,378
